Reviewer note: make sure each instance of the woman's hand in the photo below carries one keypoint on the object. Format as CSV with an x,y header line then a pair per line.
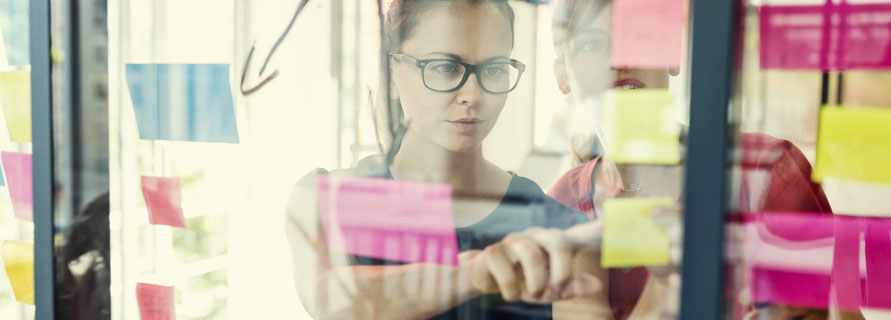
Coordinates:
x,y
541,265
661,296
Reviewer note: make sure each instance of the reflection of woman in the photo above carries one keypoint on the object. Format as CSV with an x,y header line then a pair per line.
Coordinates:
x,y
450,72
83,265
582,31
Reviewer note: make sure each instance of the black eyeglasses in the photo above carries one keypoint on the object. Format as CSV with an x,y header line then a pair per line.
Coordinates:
x,y
446,75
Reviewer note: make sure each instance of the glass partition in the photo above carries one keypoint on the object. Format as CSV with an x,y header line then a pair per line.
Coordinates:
x,y
16,222
421,159
808,234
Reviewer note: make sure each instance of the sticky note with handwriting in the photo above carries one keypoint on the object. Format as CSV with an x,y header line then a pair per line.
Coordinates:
x,y
388,219
182,102
640,127
17,167
854,144
14,25
163,201
155,302
15,99
647,33
630,236
18,259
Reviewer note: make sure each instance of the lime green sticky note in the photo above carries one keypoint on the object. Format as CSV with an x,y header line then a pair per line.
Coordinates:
x,y
18,258
854,144
640,127
15,99
630,236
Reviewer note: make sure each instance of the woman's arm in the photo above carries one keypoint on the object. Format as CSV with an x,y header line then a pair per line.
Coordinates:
x,y
330,288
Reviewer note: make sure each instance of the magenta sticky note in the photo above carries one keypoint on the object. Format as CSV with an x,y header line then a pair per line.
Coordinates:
x,y
865,37
797,288
155,302
19,180
647,33
817,260
789,258
878,263
163,201
830,36
846,276
388,219
792,37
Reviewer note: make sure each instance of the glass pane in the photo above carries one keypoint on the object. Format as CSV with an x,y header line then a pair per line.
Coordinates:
x,y
808,226
16,226
269,153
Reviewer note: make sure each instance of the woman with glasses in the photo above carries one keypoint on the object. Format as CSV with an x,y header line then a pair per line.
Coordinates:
x,y
446,75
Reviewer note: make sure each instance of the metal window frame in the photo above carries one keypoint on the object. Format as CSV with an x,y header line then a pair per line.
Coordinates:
x,y
42,146
69,109
715,49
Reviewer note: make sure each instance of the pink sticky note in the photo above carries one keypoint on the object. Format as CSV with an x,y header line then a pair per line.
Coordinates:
x,y
647,33
155,302
826,36
18,176
163,200
878,263
865,37
792,37
815,260
846,264
388,219
797,288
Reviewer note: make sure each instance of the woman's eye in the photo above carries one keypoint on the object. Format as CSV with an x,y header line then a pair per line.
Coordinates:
x,y
445,68
590,46
494,71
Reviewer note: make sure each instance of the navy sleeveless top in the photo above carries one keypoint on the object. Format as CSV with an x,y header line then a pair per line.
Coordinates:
x,y
523,206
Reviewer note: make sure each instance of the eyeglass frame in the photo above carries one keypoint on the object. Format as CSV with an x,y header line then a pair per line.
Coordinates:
x,y
468,69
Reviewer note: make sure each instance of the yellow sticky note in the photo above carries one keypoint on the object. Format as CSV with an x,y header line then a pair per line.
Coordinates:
x,y
630,236
640,127
18,258
15,98
854,144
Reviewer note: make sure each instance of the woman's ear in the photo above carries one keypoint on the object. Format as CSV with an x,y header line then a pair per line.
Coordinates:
x,y
562,79
674,71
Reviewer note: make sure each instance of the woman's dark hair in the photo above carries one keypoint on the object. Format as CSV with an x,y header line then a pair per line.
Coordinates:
x,y
398,25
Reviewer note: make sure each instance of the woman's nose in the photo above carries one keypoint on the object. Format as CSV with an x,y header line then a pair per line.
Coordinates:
x,y
470,93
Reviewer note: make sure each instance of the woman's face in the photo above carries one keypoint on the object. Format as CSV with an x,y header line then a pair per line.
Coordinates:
x,y
588,71
457,121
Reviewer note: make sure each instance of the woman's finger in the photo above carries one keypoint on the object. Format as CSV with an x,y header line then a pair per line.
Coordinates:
x,y
532,260
559,250
502,269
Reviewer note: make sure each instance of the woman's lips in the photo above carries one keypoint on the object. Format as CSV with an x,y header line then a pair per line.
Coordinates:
x,y
466,125
628,84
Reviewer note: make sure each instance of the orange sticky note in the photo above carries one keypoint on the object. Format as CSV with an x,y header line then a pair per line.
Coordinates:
x,y
15,98
163,200
155,302
18,259
18,176
647,33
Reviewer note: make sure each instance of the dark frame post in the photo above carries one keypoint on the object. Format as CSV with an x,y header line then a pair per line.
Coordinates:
x,y
714,40
43,168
